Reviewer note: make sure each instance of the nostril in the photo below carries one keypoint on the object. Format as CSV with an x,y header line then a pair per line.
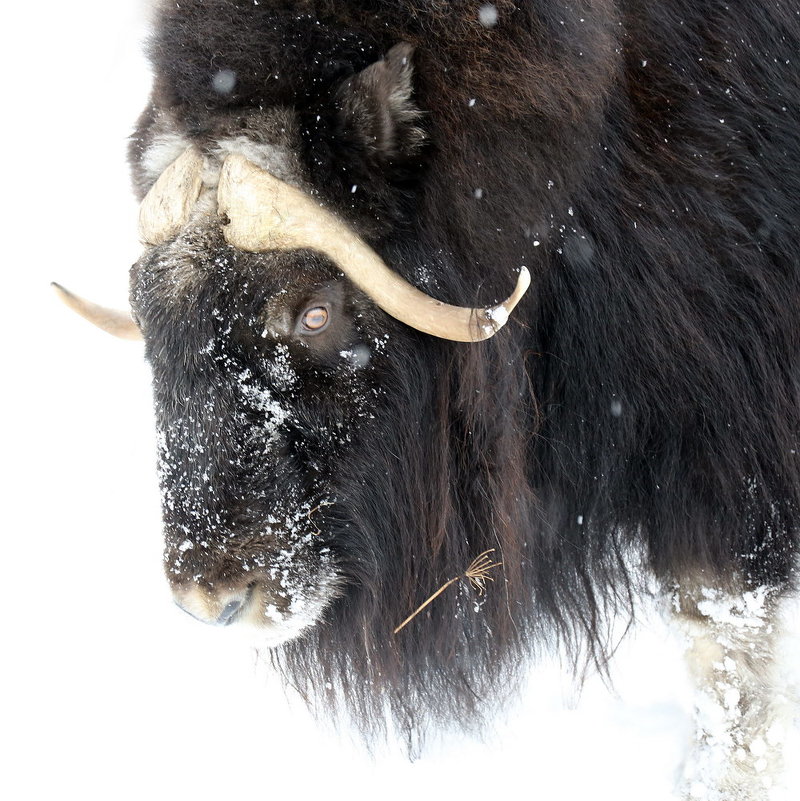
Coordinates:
x,y
228,614
218,609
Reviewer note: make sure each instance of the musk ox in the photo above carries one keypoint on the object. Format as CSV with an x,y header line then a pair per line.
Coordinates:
x,y
337,197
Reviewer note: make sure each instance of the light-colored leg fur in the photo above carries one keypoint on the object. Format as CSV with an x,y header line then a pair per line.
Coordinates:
x,y
740,712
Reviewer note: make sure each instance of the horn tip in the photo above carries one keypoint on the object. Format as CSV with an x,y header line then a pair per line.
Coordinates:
x,y
61,291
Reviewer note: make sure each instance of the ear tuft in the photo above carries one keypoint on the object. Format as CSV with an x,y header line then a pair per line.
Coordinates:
x,y
377,108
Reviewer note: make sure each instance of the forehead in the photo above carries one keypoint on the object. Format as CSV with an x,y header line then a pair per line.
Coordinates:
x,y
270,138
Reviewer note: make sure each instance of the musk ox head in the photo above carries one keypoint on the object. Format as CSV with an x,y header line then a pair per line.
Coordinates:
x,y
291,365
337,441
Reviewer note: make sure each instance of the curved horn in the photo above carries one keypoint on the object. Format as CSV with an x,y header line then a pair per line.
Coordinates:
x,y
168,204
265,213
111,321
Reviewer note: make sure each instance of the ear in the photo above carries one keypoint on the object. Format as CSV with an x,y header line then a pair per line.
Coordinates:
x,y
376,108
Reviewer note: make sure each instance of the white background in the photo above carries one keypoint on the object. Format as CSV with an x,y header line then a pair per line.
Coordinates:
x,y
108,691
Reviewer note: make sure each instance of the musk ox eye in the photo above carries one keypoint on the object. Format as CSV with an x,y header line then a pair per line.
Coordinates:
x,y
314,320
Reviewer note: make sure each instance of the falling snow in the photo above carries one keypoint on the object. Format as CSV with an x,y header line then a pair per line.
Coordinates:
x,y
487,14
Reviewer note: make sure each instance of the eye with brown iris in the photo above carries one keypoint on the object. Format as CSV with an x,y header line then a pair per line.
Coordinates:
x,y
314,320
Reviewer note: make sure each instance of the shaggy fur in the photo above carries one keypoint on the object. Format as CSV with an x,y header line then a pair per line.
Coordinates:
x,y
642,405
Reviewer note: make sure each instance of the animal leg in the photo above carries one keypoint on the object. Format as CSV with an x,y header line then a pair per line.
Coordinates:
x,y
736,754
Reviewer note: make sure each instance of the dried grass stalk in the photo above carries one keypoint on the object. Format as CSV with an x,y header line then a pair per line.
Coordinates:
x,y
477,574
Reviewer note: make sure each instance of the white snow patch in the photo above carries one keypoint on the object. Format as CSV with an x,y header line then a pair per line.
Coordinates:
x,y
498,315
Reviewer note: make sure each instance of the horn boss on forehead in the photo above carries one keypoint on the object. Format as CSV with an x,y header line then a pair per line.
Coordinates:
x,y
263,213
167,206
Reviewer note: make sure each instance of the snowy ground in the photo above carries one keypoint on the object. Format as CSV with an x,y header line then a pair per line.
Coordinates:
x,y
108,690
